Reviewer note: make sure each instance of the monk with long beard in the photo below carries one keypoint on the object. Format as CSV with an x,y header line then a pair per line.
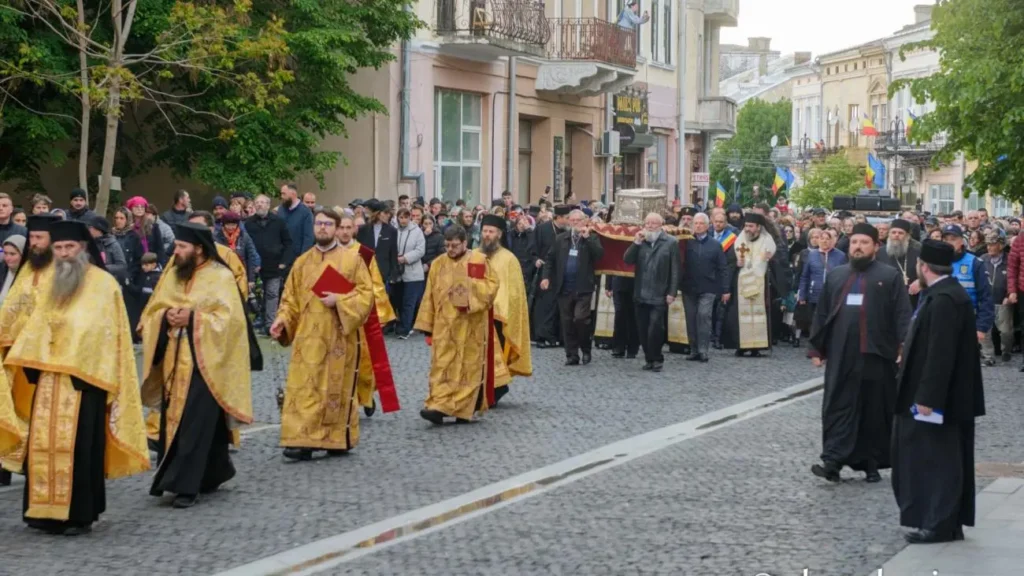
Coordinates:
x,y
321,323
511,311
196,368
76,353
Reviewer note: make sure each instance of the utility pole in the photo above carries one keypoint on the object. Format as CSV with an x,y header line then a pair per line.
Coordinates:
x,y
681,183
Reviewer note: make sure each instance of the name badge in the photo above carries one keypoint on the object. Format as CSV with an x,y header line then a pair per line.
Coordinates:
x,y
573,252
854,299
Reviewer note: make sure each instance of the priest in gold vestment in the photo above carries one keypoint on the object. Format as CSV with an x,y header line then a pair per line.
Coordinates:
x,y
320,410
196,369
456,316
746,327
30,287
86,418
370,369
511,311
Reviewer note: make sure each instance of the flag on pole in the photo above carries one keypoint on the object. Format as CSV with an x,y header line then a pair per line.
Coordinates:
x,y
867,127
911,120
783,179
719,194
874,176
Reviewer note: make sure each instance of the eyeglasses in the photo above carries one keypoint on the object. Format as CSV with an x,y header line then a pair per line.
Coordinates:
x,y
323,224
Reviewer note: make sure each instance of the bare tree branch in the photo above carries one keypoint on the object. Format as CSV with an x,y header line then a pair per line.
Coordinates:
x,y
39,112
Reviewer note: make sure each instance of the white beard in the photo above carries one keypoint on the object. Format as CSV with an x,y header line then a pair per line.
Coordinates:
x,y
896,249
67,277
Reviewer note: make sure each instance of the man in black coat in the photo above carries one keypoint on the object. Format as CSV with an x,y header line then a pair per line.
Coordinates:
x,y
380,235
655,256
939,394
273,242
544,315
900,251
568,273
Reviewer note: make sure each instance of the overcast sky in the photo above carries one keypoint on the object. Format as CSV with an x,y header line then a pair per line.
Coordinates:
x,y
819,26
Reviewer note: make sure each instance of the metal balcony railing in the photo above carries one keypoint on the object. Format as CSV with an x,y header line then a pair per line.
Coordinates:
x,y
893,142
517,20
592,39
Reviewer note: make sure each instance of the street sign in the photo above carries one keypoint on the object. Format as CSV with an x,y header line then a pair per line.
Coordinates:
x,y
700,179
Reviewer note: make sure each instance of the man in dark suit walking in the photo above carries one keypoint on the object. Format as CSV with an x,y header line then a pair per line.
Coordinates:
x,y
569,273
544,315
939,394
380,235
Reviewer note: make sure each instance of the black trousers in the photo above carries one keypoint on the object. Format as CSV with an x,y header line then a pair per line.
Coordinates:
x,y
626,338
574,311
545,316
651,323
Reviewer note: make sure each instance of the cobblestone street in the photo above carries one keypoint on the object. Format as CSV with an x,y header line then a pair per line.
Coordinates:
x,y
737,500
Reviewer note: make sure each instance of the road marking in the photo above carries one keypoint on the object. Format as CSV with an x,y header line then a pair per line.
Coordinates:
x,y
324,554
18,480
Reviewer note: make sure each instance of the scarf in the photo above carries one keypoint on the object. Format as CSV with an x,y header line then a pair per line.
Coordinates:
x,y
142,236
232,237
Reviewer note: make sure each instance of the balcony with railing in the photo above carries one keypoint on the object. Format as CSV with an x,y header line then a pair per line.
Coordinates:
x,y
488,29
722,12
587,57
892,143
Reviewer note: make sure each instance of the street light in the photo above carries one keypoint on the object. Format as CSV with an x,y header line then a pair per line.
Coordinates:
x,y
734,168
896,129
805,152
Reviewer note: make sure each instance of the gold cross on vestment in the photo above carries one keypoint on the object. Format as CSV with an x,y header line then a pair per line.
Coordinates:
x,y
743,250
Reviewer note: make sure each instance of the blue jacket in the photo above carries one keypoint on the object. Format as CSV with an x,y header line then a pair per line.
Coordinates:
x,y
705,271
300,227
245,249
813,277
970,272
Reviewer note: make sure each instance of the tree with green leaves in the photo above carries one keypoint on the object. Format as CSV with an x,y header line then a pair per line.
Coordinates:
x,y
750,149
977,92
835,176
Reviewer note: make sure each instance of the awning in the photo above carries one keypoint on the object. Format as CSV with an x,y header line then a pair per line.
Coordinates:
x,y
640,141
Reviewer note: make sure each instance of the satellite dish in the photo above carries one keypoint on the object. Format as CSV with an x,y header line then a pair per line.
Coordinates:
x,y
774,141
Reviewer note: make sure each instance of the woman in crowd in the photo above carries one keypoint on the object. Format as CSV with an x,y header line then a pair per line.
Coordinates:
x,y
40,204
434,241
146,228
166,232
14,247
18,217
126,235
976,243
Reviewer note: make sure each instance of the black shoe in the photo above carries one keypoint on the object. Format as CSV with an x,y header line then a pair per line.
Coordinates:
x,y
153,445
371,409
739,353
404,336
695,357
796,342
337,452
648,366
631,356
76,530
185,501
433,416
704,358
1006,356
990,362
543,344
618,354
927,537
1022,368
499,393
656,367
755,354
5,478
298,453
958,534
829,471
716,346
463,421
586,358
572,361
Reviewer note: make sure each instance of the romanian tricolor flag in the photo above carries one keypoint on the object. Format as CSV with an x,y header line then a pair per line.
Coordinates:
x,y
867,127
719,194
728,240
783,179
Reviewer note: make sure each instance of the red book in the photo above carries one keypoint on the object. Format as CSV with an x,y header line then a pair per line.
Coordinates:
x,y
331,281
477,271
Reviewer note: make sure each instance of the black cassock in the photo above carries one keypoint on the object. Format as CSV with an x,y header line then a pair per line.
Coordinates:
x,y
88,493
544,321
197,460
933,464
859,324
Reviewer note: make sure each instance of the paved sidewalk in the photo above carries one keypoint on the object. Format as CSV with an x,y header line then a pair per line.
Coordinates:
x,y
995,547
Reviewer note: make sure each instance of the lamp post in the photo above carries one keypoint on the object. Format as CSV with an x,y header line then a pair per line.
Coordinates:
x,y
896,128
805,153
734,168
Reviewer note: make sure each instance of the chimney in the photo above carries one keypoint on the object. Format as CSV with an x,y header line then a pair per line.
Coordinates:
x,y
801,58
922,13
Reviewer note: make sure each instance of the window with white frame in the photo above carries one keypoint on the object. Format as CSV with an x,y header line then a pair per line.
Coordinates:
x,y
666,34
655,27
973,200
457,147
525,159
941,198
1001,207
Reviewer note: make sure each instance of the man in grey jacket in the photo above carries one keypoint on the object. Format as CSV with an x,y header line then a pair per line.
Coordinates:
x,y
705,279
655,256
113,256
411,248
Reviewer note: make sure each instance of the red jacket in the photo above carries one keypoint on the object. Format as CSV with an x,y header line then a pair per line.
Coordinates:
x,y
1014,267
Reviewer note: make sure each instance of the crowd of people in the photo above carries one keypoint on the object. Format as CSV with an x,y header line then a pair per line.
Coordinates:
x,y
483,285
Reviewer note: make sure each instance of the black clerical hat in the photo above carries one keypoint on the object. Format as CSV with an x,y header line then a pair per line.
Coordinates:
x,y
688,211
937,253
901,225
73,230
41,222
562,210
198,235
493,220
865,229
754,218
